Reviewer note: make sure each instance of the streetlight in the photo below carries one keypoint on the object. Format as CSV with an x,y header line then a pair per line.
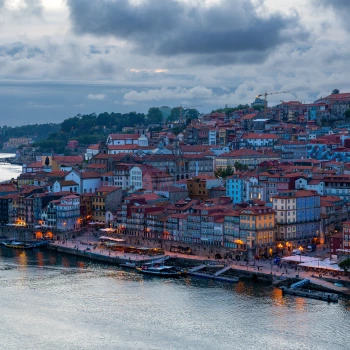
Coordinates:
x,y
300,249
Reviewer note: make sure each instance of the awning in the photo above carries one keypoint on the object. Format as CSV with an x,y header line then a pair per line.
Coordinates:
x,y
325,264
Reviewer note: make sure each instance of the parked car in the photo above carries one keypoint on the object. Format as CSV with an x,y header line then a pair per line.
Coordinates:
x,y
296,252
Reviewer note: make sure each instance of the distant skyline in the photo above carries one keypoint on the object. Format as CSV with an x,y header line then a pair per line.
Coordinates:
x,y
59,58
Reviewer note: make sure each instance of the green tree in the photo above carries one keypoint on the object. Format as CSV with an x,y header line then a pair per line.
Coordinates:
x,y
175,114
191,113
218,172
154,116
228,171
239,166
345,265
347,113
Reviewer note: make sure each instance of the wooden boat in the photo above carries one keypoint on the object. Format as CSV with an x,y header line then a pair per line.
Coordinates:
x,y
159,270
24,245
18,245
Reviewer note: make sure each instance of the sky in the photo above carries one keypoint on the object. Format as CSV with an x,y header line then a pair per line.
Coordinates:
x,y
59,58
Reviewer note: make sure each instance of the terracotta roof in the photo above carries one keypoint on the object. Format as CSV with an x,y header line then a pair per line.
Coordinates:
x,y
90,175
35,165
252,135
249,116
123,147
124,136
93,147
68,183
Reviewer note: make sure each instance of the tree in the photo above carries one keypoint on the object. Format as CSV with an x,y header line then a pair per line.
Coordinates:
x,y
191,113
154,116
347,113
239,166
345,265
228,171
175,114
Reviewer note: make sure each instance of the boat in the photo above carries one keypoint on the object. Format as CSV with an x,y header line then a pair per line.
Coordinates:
x,y
128,264
18,245
23,245
159,270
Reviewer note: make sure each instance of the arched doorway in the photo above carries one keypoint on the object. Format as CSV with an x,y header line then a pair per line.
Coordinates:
x,y
218,256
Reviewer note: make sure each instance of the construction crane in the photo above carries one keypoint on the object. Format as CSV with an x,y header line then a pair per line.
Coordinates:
x,y
267,94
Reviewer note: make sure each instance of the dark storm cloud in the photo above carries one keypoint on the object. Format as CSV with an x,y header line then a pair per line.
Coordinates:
x,y
171,27
223,59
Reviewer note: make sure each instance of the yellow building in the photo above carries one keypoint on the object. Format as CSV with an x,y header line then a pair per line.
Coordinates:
x,y
257,225
104,199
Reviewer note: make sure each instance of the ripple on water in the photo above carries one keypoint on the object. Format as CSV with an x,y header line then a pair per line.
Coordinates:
x,y
68,303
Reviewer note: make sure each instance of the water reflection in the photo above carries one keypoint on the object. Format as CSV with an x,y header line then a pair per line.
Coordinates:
x,y
22,259
40,259
65,262
105,307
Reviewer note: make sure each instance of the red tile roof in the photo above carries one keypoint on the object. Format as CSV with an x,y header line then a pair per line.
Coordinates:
x,y
124,136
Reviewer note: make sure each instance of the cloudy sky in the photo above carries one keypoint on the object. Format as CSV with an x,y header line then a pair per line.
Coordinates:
x,y
59,58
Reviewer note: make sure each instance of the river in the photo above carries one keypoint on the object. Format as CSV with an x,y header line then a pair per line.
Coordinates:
x,y
8,171
53,301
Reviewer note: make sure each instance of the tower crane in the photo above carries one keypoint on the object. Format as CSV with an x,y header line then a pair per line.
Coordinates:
x,y
270,93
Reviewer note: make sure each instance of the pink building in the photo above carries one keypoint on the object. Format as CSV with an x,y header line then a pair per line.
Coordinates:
x,y
155,180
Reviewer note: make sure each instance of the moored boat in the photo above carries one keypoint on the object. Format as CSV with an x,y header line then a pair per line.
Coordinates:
x,y
18,245
128,264
163,270
24,245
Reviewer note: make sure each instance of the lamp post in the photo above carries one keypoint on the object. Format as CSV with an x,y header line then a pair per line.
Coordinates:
x,y
300,249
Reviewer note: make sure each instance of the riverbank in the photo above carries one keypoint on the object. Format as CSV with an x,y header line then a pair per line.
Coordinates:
x,y
263,271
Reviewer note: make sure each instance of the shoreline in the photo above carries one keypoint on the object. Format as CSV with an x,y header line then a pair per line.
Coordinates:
x,y
250,272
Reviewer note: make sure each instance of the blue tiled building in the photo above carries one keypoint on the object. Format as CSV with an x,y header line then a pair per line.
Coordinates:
x,y
235,188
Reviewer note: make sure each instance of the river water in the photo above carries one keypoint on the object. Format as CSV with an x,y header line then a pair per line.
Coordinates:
x,y
53,301
8,171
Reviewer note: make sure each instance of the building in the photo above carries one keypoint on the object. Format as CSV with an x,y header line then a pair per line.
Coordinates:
x,y
155,180
232,237
106,198
123,139
199,186
257,229
244,156
336,241
346,235
68,214
297,218
256,141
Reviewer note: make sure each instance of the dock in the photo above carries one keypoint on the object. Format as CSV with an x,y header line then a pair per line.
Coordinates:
x,y
232,279
313,294
297,290
222,270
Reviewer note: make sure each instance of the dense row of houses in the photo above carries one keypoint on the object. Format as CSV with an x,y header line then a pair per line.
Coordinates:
x,y
286,182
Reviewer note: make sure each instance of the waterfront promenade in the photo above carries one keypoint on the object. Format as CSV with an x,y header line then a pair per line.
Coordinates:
x,y
84,246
